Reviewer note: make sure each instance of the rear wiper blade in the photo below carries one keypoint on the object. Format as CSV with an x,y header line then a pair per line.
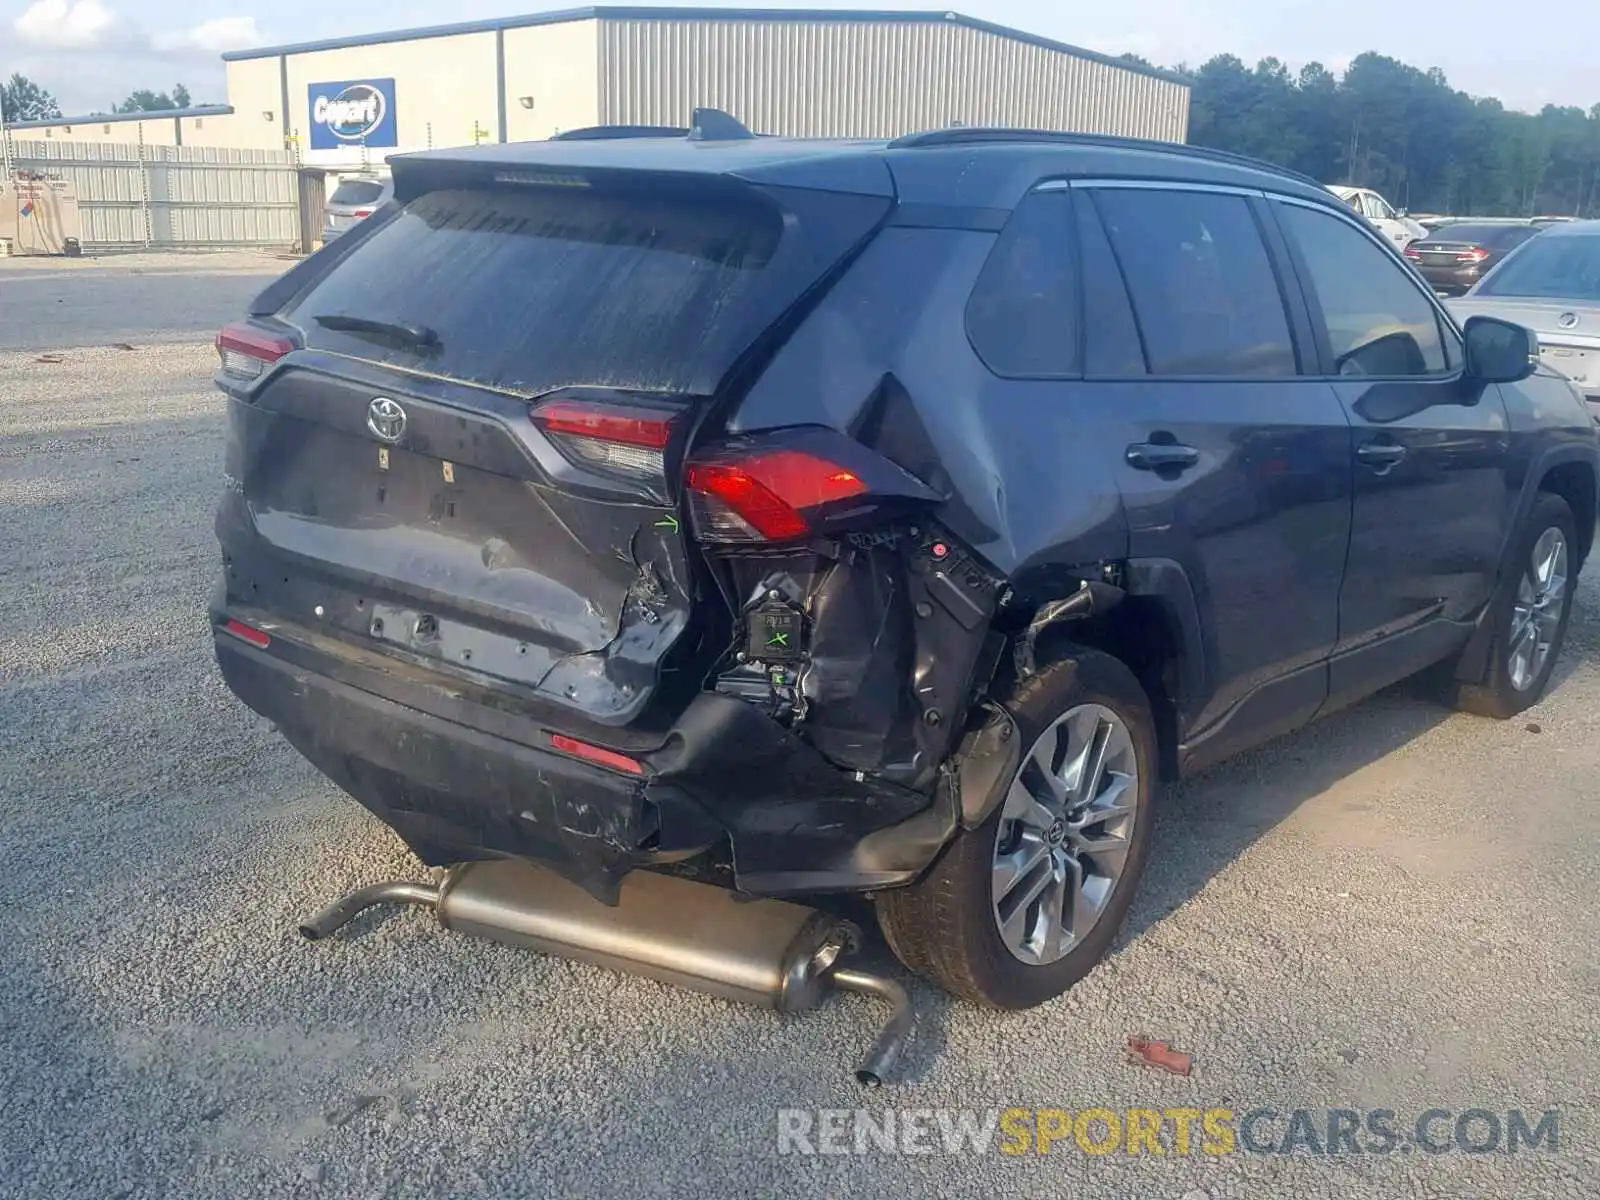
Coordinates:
x,y
419,337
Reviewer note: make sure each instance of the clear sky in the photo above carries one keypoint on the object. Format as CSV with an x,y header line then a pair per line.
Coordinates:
x,y
91,53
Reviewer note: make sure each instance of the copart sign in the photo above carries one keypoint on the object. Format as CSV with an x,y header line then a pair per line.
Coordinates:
x,y
353,112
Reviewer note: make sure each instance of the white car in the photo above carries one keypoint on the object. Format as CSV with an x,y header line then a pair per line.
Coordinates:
x,y
1396,226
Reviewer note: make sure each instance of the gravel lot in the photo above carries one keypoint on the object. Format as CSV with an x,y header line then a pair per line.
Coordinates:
x,y
1396,910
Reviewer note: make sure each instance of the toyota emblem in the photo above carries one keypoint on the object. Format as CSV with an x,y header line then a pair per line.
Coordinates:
x,y
386,419
1567,320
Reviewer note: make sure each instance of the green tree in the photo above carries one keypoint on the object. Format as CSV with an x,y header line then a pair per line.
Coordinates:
x,y
21,99
1404,131
145,100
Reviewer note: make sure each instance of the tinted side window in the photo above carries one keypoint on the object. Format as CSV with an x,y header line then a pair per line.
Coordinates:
x,y
1021,316
1202,285
1111,344
1379,320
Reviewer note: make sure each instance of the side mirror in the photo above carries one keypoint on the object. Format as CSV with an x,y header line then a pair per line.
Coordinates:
x,y
1499,351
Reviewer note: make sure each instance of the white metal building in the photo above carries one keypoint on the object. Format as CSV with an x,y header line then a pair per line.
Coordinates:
x,y
802,73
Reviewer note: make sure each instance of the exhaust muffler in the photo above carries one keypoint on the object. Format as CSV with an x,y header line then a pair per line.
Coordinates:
x,y
769,953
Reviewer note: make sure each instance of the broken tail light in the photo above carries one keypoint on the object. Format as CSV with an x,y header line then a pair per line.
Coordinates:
x,y
625,440
246,352
789,485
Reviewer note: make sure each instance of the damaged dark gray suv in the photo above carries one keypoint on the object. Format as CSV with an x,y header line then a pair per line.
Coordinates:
x,y
889,518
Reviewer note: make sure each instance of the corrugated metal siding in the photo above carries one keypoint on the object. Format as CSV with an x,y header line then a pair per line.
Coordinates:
x,y
132,195
865,79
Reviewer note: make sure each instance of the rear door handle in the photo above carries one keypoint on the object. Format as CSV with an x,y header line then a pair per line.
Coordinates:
x,y
1380,454
1162,456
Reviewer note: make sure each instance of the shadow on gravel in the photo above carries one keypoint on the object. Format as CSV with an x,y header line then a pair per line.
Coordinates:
x,y
1207,822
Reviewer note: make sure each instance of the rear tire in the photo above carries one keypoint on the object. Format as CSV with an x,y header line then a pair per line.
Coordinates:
x,y
1530,611
1076,837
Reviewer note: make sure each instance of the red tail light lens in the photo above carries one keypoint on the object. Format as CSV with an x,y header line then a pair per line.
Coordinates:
x,y
625,440
762,497
361,212
1476,255
1413,253
246,352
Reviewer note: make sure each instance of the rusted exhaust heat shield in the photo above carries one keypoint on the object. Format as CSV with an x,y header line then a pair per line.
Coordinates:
x,y
765,952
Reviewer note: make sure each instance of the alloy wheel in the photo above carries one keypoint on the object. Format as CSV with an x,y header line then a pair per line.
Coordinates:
x,y
1064,834
1536,612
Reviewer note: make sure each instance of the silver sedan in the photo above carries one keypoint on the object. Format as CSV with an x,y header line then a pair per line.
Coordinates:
x,y
1551,284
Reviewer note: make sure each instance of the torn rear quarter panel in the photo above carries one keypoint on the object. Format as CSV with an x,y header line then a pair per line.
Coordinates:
x,y
893,632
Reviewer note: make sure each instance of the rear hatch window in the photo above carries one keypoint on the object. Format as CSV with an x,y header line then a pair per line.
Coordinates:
x,y
530,290
357,191
417,509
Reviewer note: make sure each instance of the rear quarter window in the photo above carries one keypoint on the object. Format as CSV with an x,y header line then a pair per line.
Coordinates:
x,y
1022,315
530,290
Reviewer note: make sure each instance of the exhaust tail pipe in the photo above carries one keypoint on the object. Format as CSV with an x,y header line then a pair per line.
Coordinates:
x,y
342,912
770,953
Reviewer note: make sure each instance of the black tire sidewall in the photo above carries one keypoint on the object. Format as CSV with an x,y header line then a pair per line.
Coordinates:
x,y
1083,677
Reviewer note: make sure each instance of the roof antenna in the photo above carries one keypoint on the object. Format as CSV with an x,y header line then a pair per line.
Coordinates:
x,y
714,125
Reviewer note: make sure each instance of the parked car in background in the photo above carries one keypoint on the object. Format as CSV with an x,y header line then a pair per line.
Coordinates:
x,y
1456,256
356,198
1396,226
1551,285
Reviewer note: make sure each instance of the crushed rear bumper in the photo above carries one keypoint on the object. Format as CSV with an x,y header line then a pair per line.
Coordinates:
x,y
461,779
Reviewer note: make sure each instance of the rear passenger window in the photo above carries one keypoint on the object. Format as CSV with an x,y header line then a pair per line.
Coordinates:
x,y
1021,315
1379,321
1111,343
1203,288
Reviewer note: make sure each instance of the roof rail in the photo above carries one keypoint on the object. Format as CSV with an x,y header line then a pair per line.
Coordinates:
x,y
978,135
595,133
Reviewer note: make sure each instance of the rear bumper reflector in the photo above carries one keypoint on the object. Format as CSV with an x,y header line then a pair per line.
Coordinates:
x,y
246,633
596,754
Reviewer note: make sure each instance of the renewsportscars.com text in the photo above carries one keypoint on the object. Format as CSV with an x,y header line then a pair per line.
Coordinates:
x,y
1170,1131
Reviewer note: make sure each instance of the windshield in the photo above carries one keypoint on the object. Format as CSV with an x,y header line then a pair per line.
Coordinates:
x,y
1556,268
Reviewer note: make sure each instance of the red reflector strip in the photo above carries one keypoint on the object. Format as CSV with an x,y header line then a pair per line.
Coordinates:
x,y
247,634
607,423
596,754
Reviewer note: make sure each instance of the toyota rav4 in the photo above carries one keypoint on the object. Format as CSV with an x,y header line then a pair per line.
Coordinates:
x,y
879,517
